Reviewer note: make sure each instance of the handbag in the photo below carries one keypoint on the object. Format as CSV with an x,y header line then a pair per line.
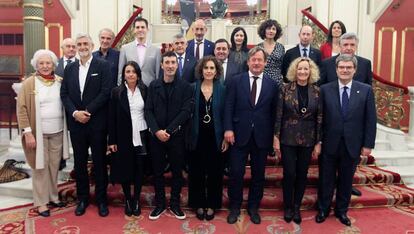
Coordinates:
x,y
10,171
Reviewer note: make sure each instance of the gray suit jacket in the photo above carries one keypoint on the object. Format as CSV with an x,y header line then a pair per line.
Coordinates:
x,y
59,68
151,67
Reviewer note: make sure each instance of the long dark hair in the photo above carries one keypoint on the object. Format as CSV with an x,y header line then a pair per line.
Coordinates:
x,y
233,43
140,84
343,30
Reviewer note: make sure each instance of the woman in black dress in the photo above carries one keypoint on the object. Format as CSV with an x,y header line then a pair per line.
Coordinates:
x,y
128,134
206,162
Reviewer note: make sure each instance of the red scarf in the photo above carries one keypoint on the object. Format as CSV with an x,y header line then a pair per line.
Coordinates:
x,y
47,77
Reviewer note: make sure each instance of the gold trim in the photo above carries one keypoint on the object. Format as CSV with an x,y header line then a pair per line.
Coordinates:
x,y
402,58
11,24
37,18
393,50
35,5
51,25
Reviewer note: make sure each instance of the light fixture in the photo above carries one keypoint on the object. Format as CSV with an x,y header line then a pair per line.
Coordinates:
x,y
251,2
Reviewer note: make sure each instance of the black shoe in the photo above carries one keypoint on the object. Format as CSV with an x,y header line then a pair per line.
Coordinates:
x,y
103,210
233,216
128,208
343,219
321,216
137,209
254,216
58,204
288,215
156,212
200,214
177,212
356,192
296,216
81,208
45,213
210,216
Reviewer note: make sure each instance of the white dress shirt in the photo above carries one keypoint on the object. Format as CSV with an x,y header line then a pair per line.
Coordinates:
x,y
301,47
224,65
65,61
83,72
341,90
201,50
136,107
258,84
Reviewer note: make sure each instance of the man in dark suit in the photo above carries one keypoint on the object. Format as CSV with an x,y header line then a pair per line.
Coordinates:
x,y
69,52
348,44
106,38
200,47
303,49
230,67
349,129
85,94
186,62
249,115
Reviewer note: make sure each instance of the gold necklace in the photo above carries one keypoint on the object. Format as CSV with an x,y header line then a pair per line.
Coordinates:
x,y
46,82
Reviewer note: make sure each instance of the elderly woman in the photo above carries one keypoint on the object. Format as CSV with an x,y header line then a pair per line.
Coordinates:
x,y
331,46
239,50
128,133
270,30
298,132
206,163
40,116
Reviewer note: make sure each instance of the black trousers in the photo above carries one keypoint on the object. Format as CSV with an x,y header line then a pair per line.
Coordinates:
x,y
338,172
295,160
138,176
237,163
81,141
174,148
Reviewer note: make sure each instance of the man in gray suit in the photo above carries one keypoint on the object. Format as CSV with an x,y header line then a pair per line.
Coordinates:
x,y
141,51
69,51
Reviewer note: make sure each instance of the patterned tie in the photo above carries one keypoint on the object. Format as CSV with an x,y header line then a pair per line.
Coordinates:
x,y
304,52
345,102
198,50
253,91
180,66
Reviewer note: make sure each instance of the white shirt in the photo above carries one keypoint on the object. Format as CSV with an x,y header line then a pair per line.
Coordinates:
x,y
201,50
51,113
182,59
341,90
136,107
65,60
224,65
301,47
83,72
258,84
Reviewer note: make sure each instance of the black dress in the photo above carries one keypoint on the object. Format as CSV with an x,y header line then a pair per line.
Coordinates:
x,y
206,164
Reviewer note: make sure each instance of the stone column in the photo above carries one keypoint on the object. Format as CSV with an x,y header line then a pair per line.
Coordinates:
x,y
411,119
34,30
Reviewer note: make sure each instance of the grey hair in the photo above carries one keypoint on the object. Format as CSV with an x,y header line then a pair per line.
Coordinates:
x,y
347,36
178,36
41,53
65,41
107,30
84,35
346,58
256,49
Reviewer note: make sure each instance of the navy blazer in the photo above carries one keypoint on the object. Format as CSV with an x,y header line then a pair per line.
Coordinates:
x,y
208,48
363,73
95,95
358,128
294,53
113,58
245,119
233,69
60,70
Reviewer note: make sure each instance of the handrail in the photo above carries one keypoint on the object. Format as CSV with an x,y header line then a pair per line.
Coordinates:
x,y
126,26
325,30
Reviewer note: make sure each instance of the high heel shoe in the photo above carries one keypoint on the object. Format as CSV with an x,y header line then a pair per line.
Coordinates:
x,y
128,209
211,215
200,213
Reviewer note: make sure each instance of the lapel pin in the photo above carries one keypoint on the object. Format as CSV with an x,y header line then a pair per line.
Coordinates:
x,y
357,91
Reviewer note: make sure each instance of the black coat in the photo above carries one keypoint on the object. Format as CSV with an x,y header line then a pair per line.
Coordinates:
x,y
120,134
294,53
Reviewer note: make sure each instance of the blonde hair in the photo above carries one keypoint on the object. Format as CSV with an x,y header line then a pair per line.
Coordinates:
x,y
292,71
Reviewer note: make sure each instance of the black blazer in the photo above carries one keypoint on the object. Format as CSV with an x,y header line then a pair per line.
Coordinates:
x,y
60,70
189,65
232,70
294,53
294,128
95,94
363,73
358,128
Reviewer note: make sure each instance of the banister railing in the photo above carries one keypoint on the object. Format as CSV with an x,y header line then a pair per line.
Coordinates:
x,y
124,35
388,95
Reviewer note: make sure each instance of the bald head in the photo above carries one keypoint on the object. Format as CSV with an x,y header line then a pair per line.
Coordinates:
x,y
306,35
69,48
199,29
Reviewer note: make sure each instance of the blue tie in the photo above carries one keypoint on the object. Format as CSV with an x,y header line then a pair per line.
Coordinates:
x,y
180,66
345,102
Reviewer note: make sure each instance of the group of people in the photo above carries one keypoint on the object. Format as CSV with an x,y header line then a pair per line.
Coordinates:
x,y
208,105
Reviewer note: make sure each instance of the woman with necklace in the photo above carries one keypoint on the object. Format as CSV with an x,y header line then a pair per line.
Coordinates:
x,y
298,132
270,31
41,118
206,162
331,46
239,50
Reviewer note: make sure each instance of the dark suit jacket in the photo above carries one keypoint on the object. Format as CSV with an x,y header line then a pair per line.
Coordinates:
x,y
294,53
294,128
328,71
113,58
243,118
189,73
233,69
208,48
60,70
358,128
95,94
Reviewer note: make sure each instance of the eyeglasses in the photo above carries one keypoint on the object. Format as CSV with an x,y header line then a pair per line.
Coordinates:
x,y
345,67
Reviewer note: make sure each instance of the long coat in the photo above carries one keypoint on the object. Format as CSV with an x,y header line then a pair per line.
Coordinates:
x,y
120,134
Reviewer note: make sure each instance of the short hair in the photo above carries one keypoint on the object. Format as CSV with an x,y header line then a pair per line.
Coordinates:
x,y
107,30
168,54
343,30
233,43
64,42
313,68
346,58
348,36
41,53
140,19
203,61
256,49
136,68
268,24
84,35
221,40
178,36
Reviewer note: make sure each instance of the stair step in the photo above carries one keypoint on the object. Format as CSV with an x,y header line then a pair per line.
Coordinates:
x,y
406,172
394,158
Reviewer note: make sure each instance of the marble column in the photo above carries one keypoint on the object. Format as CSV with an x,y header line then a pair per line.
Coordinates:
x,y
34,30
